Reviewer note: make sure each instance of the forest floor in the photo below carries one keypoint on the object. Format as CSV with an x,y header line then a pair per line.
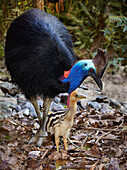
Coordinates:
x,y
98,140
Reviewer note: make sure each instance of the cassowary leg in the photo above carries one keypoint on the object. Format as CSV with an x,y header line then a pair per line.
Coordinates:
x,y
42,121
35,104
42,131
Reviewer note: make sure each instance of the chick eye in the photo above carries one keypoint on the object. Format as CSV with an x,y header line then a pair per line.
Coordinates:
x,y
85,64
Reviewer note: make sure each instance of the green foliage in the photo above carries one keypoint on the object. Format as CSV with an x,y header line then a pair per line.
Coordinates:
x,y
93,23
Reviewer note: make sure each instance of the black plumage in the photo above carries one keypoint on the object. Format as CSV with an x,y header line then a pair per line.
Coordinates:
x,y
38,50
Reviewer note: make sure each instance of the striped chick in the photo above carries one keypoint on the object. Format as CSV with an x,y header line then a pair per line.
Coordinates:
x,y
59,123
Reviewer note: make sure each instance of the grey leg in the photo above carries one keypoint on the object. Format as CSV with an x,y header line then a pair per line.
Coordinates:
x,y
35,104
41,133
47,103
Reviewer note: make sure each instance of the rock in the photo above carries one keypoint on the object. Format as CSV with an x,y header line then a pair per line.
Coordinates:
x,y
107,109
9,88
28,105
26,112
93,104
81,104
36,125
56,106
123,109
23,112
114,103
34,154
57,99
20,98
83,87
20,114
102,99
63,97
3,114
1,93
8,100
7,105
40,103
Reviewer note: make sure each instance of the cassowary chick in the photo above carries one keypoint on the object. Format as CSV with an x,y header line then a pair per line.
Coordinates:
x,y
60,122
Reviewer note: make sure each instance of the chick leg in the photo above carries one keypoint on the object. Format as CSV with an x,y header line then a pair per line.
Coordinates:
x,y
57,143
42,131
65,143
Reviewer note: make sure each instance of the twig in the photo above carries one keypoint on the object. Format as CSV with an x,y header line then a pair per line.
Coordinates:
x,y
46,152
84,141
73,143
106,134
92,128
101,137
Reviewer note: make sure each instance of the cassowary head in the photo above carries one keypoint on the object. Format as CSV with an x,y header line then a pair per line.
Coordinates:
x,y
84,68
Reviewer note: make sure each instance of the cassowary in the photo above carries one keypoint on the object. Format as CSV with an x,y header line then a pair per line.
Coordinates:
x,y
59,123
38,50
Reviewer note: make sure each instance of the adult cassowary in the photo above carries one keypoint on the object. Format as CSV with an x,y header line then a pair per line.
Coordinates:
x,y
37,52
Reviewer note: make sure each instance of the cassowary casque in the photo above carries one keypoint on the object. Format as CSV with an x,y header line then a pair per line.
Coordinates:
x,y
38,50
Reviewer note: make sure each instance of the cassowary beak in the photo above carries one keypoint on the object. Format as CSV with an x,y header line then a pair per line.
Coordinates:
x,y
96,78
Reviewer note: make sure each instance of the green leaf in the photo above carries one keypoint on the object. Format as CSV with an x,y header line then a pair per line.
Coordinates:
x,y
125,29
116,4
115,18
85,10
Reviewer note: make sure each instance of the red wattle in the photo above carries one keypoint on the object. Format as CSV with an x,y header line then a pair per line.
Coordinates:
x,y
68,101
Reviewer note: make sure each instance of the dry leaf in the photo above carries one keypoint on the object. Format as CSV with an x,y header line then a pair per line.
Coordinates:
x,y
33,163
94,165
94,151
54,156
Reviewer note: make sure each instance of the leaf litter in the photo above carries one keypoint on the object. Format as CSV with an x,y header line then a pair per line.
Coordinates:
x,y
97,141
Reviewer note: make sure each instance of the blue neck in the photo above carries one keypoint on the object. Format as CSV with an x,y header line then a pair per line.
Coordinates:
x,y
76,77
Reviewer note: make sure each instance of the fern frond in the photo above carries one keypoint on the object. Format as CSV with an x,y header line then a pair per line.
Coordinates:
x,y
115,4
115,18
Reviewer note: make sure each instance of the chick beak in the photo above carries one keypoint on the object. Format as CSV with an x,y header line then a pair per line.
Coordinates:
x,y
96,79
81,96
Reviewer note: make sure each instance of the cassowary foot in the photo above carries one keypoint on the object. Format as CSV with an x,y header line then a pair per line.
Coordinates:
x,y
39,137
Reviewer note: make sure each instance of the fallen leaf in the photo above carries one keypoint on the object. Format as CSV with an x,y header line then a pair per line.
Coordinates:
x,y
4,129
60,162
94,165
94,151
33,163
64,154
54,156
113,165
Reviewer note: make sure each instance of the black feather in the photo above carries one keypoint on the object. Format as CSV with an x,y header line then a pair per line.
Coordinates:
x,y
37,52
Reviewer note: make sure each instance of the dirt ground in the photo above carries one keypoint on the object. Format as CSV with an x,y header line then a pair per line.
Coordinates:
x,y
97,140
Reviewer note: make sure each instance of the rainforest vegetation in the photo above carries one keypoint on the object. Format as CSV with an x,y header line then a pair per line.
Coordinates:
x,y
92,23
